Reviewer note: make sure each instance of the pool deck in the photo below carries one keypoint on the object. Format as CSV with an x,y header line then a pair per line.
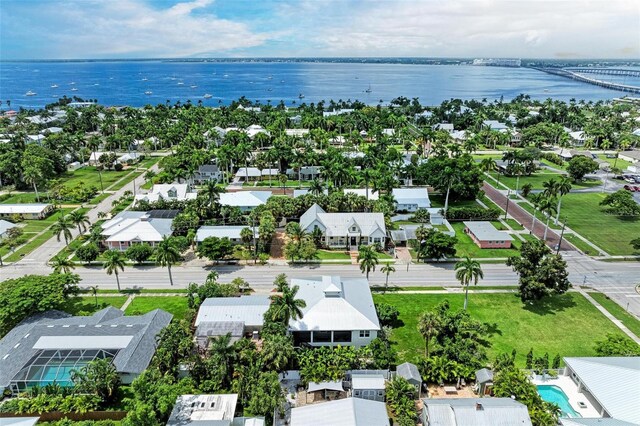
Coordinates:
x,y
571,390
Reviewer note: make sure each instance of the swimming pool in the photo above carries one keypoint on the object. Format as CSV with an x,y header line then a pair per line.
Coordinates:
x,y
556,395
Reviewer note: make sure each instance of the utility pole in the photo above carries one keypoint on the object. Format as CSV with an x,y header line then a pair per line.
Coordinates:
x,y
564,224
506,211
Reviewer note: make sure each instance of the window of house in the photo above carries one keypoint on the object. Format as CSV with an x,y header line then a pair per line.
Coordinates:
x,y
364,333
353,229
301,337
321,336
342,336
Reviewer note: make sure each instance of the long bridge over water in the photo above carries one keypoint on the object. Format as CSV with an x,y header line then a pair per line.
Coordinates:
x,y
576,74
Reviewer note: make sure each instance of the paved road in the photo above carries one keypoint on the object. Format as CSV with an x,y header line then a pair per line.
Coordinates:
x,y
50,248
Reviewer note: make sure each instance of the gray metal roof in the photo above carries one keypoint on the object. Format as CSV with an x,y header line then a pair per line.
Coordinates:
x,y
209,410
18,421
341,412
485,231
5,226
246,309
333,386
613,381
476,412
484,375
409,371
20,344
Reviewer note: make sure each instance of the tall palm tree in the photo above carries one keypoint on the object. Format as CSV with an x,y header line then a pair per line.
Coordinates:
x,y
211,191
80,220
368,259
167,254
548,207
316,187
429,326
61,264
113,260
285,305
387,269
468,270
564,187
63,227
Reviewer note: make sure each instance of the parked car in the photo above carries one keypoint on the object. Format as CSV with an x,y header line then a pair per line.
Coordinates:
x,y
636,188
628,188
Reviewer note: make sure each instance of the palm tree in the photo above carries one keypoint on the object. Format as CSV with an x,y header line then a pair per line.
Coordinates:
x,y
61,264
517,169
94,291
63,227
368,259
113,260
211,191
387,269
80,220
285,305
548,207
466,271
429,326
535,200
564,187
316,187
167,254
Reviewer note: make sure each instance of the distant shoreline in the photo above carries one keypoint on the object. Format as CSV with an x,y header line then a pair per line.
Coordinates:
x,y
364,60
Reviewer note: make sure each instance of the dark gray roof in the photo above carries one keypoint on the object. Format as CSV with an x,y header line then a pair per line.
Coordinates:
x,y
208,168
409,371
17,347
484,376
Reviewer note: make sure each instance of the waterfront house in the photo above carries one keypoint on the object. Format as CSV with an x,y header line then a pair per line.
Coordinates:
x,y
474,411
26,211
47,346
132,227
244,200
339,311
342,230
485,235
341,412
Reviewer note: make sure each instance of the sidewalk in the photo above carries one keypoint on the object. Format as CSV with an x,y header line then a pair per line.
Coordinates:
x,y
606,313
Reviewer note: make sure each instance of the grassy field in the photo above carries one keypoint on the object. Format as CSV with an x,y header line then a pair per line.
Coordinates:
x,y
585,216
177,305
537,179
438,201
25,197
466,247
631,322
333,255
568,325
87,305
581,245
514,224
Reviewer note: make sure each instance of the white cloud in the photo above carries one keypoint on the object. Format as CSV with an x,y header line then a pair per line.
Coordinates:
x,y
131,28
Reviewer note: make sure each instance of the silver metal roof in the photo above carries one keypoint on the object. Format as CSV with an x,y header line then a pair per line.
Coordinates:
x,y
476,412
485,231
247,309
484,375
613,381
409,371
341,412
333,386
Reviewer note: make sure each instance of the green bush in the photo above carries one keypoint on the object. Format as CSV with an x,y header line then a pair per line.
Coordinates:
x,y
472,213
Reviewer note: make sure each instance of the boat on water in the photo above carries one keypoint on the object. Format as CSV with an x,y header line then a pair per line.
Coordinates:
x,y
300,96
148,92
269,89
54,86
281,81
180,83
193,86
96,84
368,89
75,89
145,79
30,93
207,96
72,83
270,78
226,75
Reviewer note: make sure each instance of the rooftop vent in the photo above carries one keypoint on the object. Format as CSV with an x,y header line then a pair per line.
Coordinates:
x,y
479,407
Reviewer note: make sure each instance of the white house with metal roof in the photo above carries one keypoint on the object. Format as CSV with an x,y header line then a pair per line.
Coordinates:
x,y
345,229
46,347
474,412
368,386
132,227
241,316
411,199
168,192
26,211
5,226
244,200
233,233
338,311
610,384
341,412
246,174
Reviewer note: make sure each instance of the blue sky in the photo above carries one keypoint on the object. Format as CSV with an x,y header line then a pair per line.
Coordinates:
x,y
70,29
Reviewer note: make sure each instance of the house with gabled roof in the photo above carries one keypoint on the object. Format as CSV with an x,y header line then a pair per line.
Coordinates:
x,y
132,227
341,412
411,199
244,200
168,192
338,311
345,229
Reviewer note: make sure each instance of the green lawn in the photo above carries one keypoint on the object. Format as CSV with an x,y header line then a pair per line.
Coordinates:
x,y
620,163
276,184
89,176
585,216
177,305
333,255
98,198
437,200
581,245
537,179
87,305
23,198
466,247
514,224
631,322
567,325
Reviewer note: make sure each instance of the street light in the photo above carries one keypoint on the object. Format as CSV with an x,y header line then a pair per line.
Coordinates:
x,y
564,224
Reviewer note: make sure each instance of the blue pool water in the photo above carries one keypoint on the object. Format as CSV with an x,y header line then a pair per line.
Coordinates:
x,y
554,394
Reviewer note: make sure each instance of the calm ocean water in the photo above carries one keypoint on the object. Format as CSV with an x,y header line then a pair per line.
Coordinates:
x,y
125,83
